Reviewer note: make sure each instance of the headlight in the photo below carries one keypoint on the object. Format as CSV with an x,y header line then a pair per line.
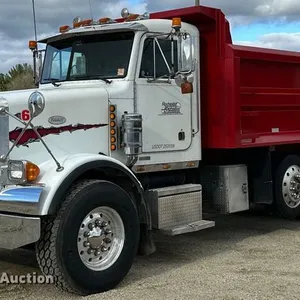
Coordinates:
x,y
22,171
16,170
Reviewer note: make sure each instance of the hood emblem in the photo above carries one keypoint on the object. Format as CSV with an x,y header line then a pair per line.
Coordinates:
x,y
57,120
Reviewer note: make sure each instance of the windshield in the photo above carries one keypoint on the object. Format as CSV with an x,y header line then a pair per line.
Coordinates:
x,y
88,57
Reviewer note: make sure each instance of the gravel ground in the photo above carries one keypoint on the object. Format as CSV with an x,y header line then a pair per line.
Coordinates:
x,y
246,256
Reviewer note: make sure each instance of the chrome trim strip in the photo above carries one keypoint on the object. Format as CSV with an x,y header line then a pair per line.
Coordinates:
x,y
16,231
19,199
162,167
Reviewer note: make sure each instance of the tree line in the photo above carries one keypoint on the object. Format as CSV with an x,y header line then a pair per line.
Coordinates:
x,y
18,77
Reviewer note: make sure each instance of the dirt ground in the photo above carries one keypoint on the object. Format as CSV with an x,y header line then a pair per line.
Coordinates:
x,y
246,256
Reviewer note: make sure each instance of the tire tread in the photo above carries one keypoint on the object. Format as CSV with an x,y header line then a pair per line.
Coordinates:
x,y
46,246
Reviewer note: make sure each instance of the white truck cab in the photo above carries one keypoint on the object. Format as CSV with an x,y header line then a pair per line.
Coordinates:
x,y
88,156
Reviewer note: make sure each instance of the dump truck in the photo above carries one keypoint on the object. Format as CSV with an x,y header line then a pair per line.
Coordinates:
x,y
143,124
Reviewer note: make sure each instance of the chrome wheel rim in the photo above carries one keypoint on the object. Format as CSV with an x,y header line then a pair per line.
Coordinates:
x,y
101,238
291,186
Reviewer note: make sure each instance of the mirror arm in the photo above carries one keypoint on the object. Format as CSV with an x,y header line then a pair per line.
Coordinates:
x,y
37,56
34,54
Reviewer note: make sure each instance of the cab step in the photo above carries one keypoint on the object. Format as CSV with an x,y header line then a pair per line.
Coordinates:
x,y
177,209
188,228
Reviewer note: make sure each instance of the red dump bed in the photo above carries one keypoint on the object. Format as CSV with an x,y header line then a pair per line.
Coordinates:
x,y
249,96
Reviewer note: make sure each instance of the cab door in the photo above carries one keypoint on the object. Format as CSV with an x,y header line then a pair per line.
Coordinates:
x,y
166,112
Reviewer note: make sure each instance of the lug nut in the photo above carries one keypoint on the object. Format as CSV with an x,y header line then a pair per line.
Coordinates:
x,y
104,249
86,234
91,226
90,251
104,224
107,240
108,231
97,253
98,222
86,244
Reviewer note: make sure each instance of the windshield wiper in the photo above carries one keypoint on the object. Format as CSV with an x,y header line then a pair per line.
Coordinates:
x,y
91,77
53,81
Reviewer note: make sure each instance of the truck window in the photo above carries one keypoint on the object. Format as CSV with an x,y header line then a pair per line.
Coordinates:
x,y
158,63
60,64
88,57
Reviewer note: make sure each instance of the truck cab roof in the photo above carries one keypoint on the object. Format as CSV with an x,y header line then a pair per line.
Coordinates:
x,y
160,25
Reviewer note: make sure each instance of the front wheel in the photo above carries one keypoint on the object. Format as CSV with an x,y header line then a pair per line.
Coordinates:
x,y
287,187
89,247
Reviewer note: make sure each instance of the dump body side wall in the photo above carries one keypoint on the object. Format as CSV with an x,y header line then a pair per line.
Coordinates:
x,y
269,96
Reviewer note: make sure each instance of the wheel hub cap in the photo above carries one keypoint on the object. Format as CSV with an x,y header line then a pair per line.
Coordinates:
x,y
291,187
101,238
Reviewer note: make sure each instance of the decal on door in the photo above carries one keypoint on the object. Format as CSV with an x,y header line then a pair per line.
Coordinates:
x,y
30,136
170,108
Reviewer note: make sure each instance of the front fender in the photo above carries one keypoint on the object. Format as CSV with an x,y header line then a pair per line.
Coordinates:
x,y
57,183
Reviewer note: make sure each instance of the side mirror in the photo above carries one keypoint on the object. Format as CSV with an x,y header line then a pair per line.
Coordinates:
x,y
186,54
39,65
186,63
37,61
36,104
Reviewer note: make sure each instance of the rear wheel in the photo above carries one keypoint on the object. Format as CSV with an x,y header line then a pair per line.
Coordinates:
x,y
89,247
287,187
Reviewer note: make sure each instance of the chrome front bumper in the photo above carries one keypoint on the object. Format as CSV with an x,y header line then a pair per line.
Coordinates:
x,y
21,199
17,230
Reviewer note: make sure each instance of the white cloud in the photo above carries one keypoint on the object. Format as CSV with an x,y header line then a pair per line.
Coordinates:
x,y
16,22
283,41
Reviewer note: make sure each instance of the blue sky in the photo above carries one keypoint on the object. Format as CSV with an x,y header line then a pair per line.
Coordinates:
x,y
253,32
263,23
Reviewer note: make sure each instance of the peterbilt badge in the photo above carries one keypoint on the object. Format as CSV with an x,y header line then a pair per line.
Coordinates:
x,y
57,120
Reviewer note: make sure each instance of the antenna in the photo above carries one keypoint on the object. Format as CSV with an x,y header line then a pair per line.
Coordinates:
x,y
34,20
91,9
197,2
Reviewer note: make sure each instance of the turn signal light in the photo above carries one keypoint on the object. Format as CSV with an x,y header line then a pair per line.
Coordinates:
x,y
32,45
86,22
32,171
113,128
176,23
64,28
105,21
112,131
132,17
187,88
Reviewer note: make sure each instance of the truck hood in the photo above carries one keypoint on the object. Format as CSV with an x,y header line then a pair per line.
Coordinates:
x,y
71,114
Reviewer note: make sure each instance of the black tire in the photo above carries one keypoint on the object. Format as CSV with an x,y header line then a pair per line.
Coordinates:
x,y
282,177
57,251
